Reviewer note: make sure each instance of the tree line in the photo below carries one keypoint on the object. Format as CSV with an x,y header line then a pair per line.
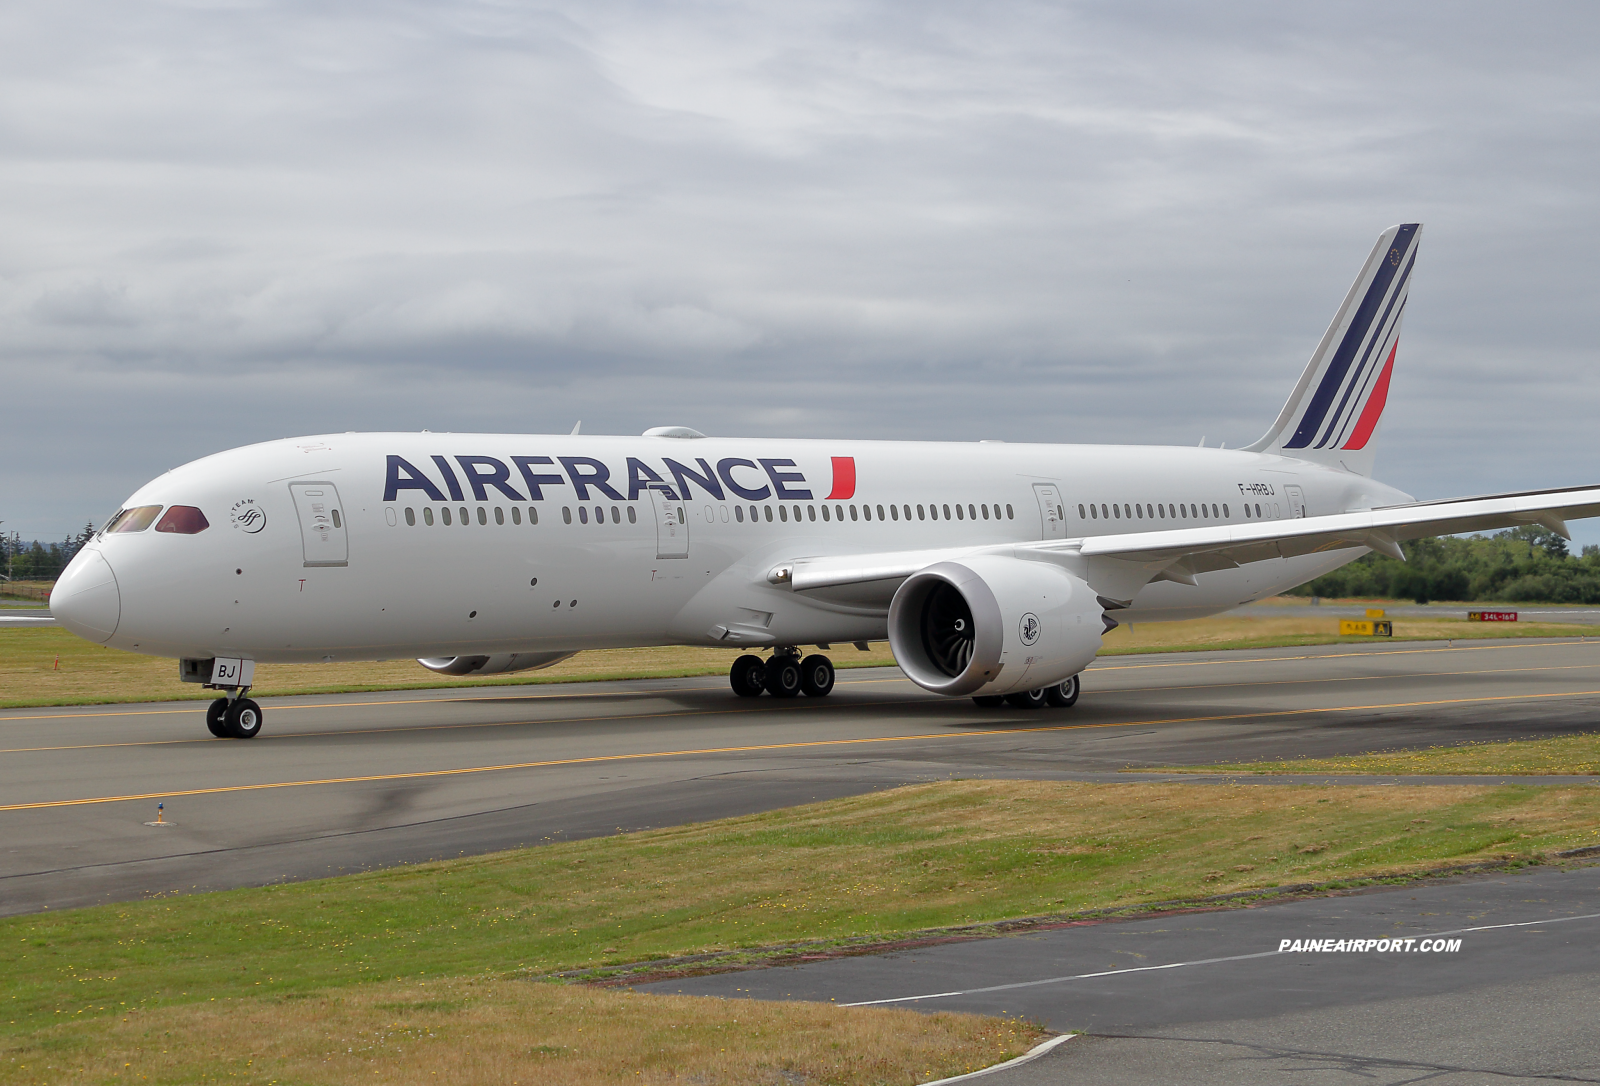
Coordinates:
x,y
1530,564
36,561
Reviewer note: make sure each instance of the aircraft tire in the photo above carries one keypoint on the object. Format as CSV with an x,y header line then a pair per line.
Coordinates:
x,y
244,719
1063,695
748,676
783,677
816,676
216,718
990,701
1027,699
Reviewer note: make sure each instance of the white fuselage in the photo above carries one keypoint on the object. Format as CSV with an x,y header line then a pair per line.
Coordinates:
x,y
456,572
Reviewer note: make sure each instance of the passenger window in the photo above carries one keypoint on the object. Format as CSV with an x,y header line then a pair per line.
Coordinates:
x,y
947,512
566,514
1139,509
1247,509
768,508
972,511
894,512
919,513
187,520
1161,512
633,516
853,515
738,513
1009,514
811,512
1104,512
616,515
411,517
985,509
516,515
533,515
499,515
466,517
1214,509
880,512
583,514
444,515
1116,511
825,514
783,513
427,515
1092,513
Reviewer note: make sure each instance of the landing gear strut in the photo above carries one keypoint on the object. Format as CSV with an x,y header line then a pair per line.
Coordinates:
x,y
1063,695
785,675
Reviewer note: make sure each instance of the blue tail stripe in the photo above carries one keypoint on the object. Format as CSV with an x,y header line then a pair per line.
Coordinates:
x,y
1370,356
1317,410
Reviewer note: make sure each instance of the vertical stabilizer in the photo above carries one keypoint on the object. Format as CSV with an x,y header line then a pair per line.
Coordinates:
x,y
1333,414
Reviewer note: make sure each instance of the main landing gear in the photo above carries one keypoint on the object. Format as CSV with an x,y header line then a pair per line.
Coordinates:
x,y
1060,696
786,675
234,718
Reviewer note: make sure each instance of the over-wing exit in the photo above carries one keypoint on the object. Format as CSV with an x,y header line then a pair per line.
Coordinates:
x,y
992,568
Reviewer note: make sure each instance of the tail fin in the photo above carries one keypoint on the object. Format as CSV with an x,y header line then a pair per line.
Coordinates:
x,y
1334,410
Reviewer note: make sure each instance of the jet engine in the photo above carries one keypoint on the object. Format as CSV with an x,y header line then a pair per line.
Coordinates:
x,y
993,625
493,665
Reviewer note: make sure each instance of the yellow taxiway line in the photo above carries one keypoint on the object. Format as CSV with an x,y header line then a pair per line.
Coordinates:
x,y
599,758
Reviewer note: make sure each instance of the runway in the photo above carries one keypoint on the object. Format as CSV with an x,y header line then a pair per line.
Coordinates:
x,y
345,783
1208,998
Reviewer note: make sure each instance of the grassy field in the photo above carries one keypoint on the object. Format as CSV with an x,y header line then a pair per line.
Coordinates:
x,y
50,666
387,972
1567,754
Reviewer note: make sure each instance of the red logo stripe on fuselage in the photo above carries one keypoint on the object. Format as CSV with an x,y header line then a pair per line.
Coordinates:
x,y
844,478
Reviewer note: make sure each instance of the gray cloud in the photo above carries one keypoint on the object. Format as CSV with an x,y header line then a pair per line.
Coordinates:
x,y
233,221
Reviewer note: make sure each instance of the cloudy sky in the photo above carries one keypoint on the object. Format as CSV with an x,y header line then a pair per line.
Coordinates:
x,y
231,221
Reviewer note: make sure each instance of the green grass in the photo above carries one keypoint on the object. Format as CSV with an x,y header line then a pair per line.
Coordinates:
x,y
873,867
1567,754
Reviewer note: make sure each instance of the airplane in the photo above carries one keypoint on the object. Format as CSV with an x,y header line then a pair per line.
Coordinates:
x,y
992,568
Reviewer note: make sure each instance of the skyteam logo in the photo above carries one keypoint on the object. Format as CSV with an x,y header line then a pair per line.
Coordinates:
x,y
1028,629
248,516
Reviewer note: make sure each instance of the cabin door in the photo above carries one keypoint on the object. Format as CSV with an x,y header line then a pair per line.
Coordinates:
x,y
1297,501
322,531
672,524
1052,511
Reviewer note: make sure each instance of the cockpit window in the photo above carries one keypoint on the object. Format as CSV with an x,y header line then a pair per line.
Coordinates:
x,y
136,519
183,520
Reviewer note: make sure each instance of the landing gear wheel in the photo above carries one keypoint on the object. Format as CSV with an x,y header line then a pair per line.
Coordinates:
x,y
816,676
1027,699
783,676
1062,695
748,676
216,718
990,701
243,719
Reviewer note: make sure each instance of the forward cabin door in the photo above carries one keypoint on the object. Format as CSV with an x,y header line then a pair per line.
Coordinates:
x,y
1297,501
321,524
672,525
1052,511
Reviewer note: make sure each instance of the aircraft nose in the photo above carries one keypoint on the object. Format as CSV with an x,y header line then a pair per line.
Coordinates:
x,y
86,599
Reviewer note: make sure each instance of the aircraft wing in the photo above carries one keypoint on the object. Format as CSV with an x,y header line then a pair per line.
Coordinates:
x,y
1178,554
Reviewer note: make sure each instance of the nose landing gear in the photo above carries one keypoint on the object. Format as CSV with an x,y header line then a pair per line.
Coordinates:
x,y
237,717
785,675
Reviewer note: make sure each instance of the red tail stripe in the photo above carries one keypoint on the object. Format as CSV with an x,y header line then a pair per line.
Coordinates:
x,y
844,477
1375,403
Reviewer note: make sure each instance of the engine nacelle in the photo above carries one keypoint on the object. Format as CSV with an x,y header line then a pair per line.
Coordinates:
x,y
993,625
493,665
